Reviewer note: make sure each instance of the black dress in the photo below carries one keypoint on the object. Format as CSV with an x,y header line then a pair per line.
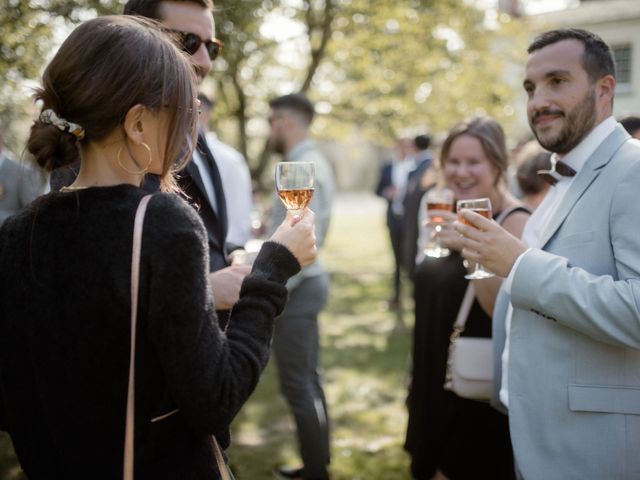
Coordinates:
x,y
465,439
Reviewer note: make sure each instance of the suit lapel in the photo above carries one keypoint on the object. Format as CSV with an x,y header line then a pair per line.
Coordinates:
x,y
218,188
583,179
194,173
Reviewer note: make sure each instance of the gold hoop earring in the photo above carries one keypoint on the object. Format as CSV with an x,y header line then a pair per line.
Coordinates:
x,y
132,172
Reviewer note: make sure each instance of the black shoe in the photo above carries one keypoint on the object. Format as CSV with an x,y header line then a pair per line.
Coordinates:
x,y
288,473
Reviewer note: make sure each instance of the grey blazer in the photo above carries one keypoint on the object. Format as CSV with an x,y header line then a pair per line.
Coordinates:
x,y
574,357
19,186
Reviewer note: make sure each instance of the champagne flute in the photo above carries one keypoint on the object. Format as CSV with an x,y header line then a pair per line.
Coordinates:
x,y
438,199
481,206
294,182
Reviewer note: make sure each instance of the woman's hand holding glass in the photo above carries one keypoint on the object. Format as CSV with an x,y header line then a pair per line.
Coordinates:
x,y
297,233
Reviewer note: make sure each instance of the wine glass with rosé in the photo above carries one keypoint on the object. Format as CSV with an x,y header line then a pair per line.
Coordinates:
x,y
481,206
295,185
439,200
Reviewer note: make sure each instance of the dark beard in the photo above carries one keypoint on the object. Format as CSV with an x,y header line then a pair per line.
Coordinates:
x,y
578,123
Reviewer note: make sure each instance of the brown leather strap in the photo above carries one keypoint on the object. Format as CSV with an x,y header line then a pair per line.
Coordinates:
x,y
135,277
222,467
128,468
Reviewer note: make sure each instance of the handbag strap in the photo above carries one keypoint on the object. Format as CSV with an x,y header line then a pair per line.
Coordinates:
x,y
222,466
135,278
129,426
469,294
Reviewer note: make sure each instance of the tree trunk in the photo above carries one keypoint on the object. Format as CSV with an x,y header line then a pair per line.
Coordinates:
x,y
317,55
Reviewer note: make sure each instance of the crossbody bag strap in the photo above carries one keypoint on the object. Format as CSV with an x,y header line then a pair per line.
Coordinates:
x,y
465,307
135,278
128,468
222,466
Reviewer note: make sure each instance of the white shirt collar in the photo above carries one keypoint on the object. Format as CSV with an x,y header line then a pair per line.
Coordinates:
x,y
577,157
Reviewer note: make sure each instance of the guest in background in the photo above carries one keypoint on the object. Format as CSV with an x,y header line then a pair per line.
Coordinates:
x,y
421,178
235,176
449,436
296,344
532,159
632,125
392,187
19,183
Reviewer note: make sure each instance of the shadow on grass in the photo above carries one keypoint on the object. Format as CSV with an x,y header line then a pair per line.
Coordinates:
x,y
365,362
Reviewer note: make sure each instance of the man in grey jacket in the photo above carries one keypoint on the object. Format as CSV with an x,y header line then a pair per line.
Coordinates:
x,y
295,341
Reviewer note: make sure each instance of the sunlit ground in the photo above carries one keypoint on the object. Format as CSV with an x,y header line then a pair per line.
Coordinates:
x,y
365,358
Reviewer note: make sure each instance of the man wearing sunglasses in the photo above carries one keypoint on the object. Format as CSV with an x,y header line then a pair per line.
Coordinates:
x,y
191,23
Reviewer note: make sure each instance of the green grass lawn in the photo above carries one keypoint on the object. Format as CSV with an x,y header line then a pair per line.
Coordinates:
x,y
365,358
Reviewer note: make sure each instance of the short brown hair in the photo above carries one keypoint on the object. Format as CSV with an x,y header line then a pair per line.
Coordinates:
x,y
527,174
597,60
151,8
490,135
295,102
106,66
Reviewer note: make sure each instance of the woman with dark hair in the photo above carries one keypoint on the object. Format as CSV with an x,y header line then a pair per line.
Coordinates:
x,y
122,98
449,436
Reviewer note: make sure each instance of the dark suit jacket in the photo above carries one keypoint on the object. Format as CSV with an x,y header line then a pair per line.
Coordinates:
x,y
384,182
215,221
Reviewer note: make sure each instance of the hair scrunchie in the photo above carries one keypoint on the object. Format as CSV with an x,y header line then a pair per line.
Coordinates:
x,y
50,117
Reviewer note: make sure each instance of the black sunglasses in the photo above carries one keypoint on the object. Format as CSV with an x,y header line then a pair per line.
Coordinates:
x,y
190,43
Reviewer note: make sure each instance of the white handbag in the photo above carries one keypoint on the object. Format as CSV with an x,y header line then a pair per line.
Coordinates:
x,y
470,363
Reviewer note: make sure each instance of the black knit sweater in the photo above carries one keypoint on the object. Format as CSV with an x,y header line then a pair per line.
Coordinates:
x,y
64,336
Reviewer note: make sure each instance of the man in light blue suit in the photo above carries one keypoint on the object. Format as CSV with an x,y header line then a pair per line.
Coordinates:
x,y
571,364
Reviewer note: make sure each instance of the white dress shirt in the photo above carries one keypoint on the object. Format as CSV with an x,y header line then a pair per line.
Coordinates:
x,y
400,171
531,236
238,192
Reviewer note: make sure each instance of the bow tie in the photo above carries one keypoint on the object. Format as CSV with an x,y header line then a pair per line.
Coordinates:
x,y
561,168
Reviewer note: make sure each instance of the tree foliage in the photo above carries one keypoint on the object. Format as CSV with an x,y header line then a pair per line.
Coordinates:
x,y
420,64
29,30
374,67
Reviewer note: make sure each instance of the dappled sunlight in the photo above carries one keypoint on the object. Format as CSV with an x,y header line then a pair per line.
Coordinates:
x,y
364,361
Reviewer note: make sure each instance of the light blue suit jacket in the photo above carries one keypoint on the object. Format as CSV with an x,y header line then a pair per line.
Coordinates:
x,y
574,356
